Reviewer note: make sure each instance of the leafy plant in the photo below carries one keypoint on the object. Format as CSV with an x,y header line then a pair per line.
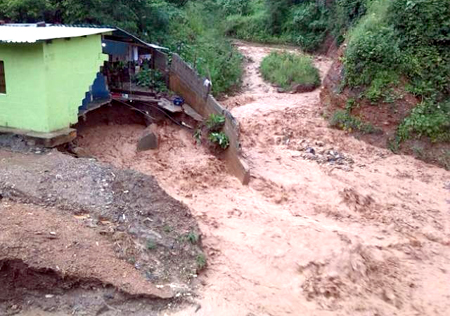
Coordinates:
x,y
215,122
219,138
286,69
427,119
151,78
308,25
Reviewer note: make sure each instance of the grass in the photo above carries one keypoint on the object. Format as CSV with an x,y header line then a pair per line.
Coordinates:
x,y
215,122
151,245
192,237
286,70
201,261
167,228
444,159
344,120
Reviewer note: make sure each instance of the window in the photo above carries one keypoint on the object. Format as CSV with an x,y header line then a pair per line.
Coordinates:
x,y
2,78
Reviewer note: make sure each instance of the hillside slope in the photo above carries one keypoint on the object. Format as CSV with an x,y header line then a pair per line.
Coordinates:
x,y
390,83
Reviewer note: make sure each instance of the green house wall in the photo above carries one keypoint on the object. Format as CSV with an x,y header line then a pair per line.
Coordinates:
x,y
46,82
70,69
24,104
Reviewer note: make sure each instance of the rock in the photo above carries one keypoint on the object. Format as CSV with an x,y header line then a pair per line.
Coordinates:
x,y
310,150
281,90
431,234
149,139
320,143
300,88
389,296
80,152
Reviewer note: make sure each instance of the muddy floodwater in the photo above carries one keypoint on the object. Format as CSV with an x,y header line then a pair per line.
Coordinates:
x,y
329,225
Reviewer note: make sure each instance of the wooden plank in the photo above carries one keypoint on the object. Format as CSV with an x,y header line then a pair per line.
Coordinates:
x,y
136,92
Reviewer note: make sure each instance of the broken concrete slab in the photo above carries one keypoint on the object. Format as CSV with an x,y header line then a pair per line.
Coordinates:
x,y
149,139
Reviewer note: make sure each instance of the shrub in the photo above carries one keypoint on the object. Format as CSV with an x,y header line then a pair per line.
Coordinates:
x,y
220,139
150,78
198,37
231,7
427,119
423,31
406,39
215,122
344,14
286,69
372,50
307,25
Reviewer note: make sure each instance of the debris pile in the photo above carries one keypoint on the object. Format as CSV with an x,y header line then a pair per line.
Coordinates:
x,y
317,151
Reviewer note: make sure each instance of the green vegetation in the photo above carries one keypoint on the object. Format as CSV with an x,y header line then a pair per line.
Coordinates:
x,y
400,44
211,130
192,237
286,69
167,228
215,122
405,40
219,138
188,27
151,78
394,47
151,245
427,119
197,35
344,120
201,261
306,23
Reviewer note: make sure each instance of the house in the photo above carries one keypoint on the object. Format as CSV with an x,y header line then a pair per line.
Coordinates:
x,y
50,75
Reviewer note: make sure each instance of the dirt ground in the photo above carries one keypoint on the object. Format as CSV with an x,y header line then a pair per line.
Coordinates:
x,y
329,225
83,238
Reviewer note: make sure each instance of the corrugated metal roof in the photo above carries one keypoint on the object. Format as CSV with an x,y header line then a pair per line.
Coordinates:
x,y
31,33
137,39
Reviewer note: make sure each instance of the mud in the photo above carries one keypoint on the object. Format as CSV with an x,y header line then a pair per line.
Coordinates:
x,y
306,237
329,224
74,225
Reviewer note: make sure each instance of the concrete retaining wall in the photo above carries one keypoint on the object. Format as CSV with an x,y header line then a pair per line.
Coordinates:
x,y
186,82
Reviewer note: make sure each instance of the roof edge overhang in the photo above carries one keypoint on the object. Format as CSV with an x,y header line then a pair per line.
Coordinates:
x,y
71,31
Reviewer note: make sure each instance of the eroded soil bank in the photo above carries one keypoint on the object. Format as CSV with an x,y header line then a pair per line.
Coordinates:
x,y
329,225
80,237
